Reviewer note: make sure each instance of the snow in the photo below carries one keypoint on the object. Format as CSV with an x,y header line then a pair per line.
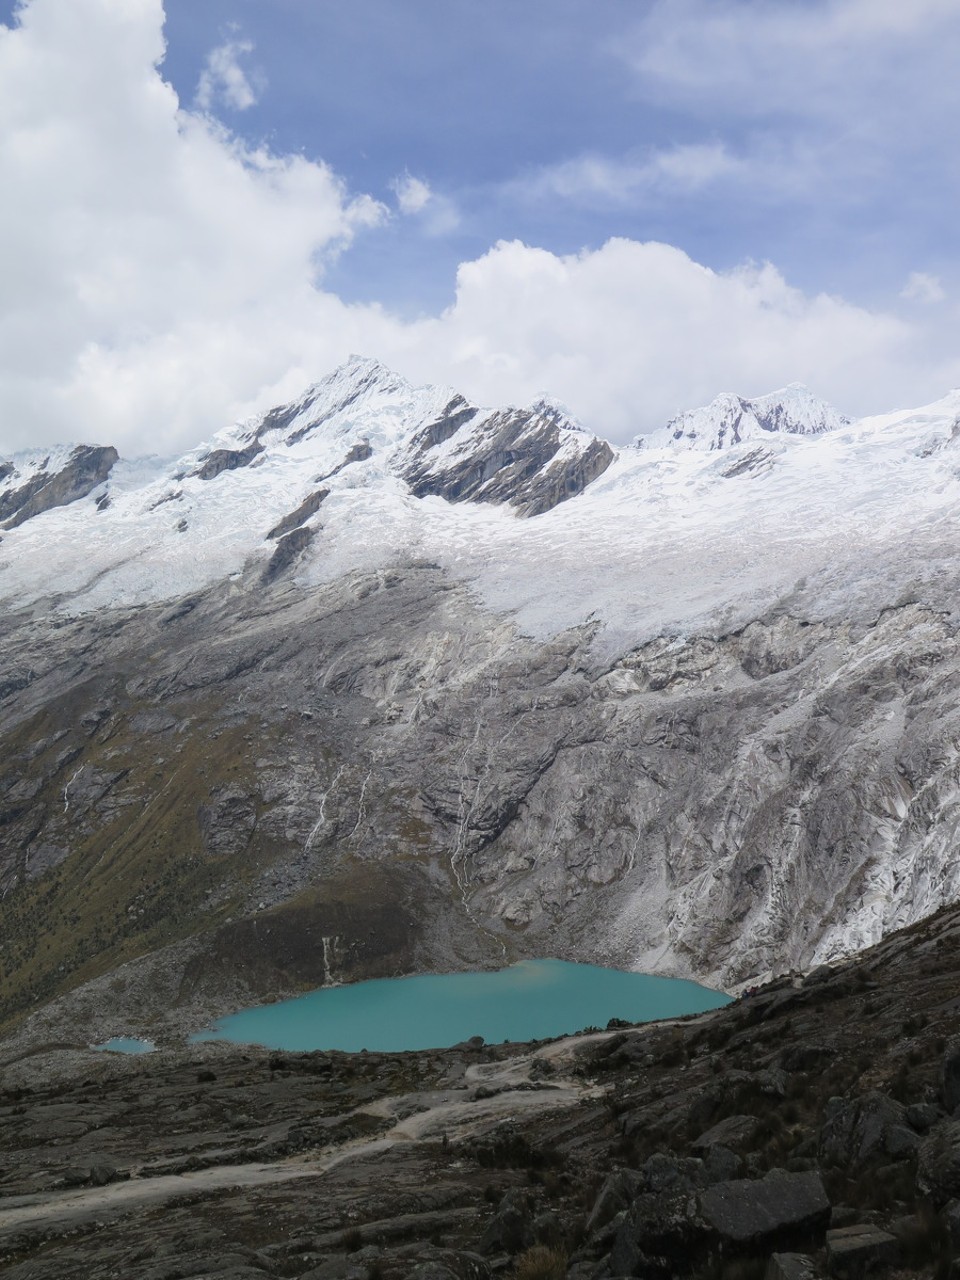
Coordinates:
x,y
836,520
730,419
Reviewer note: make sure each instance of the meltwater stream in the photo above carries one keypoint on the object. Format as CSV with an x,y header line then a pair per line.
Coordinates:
x,y
532,1000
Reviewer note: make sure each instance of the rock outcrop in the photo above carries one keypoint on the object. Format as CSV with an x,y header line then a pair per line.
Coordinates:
x,y
86,467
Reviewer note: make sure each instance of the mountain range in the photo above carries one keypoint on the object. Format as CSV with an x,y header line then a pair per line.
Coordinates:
x,y
384,681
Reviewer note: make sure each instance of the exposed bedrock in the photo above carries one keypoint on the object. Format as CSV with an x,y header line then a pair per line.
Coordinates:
x,y
519,459
720,806
87,467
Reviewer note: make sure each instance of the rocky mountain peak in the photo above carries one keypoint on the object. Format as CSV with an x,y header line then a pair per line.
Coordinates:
x,y
530,459
730,419
437,441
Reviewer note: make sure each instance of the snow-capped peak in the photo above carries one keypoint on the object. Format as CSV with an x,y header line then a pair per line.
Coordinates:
x,y
730,419
557,412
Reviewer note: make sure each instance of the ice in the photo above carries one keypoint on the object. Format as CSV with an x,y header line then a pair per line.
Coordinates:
x,y
668,540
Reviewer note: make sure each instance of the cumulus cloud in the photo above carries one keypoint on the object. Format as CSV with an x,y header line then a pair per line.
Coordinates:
x,y
631,333
141,236
223,80
162,278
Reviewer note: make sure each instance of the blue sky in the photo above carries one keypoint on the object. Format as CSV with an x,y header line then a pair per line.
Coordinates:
x,y
663,198
478,100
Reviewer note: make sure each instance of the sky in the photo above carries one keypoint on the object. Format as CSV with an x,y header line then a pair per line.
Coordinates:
x,y
630,205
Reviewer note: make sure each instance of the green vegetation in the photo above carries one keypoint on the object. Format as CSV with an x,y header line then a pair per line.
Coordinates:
x,y
139,880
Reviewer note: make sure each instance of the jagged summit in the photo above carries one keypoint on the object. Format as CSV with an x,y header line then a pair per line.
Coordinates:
x,y
730,419
431,437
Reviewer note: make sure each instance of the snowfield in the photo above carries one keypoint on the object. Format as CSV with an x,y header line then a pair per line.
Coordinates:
x,y
685,531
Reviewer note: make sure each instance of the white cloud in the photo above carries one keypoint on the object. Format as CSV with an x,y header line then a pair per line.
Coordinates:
x,y
622,180
140,235
829,100
924,288
413,194
438,215
161,278
630,333
806,59
223,79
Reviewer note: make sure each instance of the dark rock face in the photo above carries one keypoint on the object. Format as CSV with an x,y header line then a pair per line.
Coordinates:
x,y
88,466
358,453
853,1251
227,822
858,1129
512,460
511,1228
938,1164
328,940
308,507
751,463
456,414
791,1266
227,460
617,1193
735,1131
774,1208
657,1235
288,549
950,1075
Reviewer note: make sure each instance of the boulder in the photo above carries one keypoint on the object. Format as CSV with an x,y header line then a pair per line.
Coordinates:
x,y
659,1234
950,1075
858,1130
338,1269
668,1173
616,1194
938,1163
511,1227
735,1131
950,1217
805,1057
721,1165
791,1266
853,1251
94,1171
780,1206
922,1116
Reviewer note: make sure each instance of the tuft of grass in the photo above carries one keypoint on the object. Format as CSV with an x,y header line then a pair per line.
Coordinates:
x,y
541,1263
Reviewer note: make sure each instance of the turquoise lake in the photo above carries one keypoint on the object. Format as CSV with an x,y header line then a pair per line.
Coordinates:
x,y
532,1000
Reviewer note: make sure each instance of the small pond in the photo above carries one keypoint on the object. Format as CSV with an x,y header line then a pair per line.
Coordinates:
x,y
126,1044
532,1000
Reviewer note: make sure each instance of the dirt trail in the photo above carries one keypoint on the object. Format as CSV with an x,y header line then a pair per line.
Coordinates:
x,y
453,1113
